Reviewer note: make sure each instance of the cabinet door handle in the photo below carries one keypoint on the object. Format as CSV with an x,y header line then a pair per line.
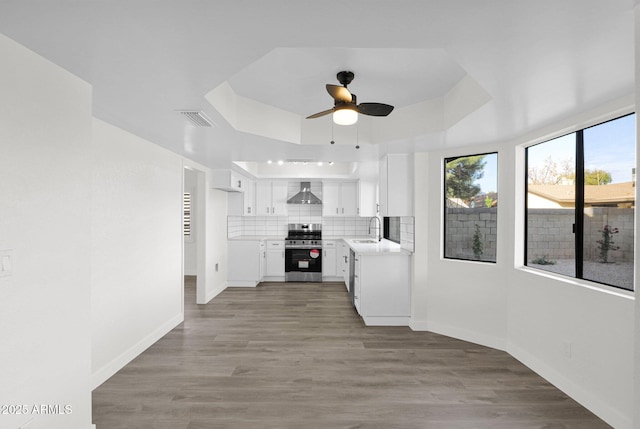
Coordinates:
x,y
337,212
273,210
267,210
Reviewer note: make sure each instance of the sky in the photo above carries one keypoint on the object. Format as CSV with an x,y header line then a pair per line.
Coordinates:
x,y
609,147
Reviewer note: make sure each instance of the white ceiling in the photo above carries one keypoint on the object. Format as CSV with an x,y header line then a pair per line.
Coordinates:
x,y
537,61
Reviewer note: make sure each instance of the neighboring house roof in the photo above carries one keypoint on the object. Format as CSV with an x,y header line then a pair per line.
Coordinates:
x,y
456,203
594,195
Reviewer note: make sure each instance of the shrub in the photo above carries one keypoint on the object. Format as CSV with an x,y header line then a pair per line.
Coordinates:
x,y
543,260
606,243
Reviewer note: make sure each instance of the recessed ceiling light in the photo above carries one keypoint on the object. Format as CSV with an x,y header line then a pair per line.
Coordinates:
x,y
269,162
280,162
331,163
320,164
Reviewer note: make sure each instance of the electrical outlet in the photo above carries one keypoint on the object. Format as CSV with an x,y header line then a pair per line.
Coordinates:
x,y
6,262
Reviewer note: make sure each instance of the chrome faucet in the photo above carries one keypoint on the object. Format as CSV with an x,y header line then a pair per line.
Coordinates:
x,y
378,227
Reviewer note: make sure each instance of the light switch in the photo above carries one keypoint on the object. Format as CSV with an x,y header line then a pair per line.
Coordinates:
x,y
6,268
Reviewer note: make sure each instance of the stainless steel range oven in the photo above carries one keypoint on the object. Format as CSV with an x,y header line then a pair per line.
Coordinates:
x,y
303,253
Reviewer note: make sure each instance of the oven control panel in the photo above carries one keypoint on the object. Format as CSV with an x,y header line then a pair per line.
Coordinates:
x,y
314,243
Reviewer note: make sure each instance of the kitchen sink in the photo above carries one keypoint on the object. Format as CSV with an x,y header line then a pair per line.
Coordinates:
x,y
366,241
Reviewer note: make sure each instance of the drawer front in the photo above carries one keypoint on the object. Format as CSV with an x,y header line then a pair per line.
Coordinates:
x,y
275,245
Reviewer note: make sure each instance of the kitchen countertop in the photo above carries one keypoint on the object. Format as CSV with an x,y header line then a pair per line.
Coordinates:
x,y
383,247
258,237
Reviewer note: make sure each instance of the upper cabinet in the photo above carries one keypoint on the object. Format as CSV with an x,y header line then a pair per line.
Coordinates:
x,y
271,198
226,180
242,191
339,199
396,185
367,197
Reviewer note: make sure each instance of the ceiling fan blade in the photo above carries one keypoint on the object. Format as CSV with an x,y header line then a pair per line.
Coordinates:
x,y
375,109
339,93
317,115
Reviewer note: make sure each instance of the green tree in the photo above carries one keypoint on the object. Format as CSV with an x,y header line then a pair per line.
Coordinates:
x,y
593,177
461,175
596,177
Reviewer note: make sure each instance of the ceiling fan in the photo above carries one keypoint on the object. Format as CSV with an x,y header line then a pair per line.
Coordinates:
x,y
345,110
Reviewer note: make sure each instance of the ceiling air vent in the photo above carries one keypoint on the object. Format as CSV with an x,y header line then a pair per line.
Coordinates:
x,y
197,118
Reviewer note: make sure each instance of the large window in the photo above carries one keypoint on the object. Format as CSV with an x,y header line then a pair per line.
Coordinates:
x,y
581,203
471,207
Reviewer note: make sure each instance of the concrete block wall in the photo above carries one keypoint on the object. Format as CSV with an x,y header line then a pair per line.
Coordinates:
x,y
550,233
461,227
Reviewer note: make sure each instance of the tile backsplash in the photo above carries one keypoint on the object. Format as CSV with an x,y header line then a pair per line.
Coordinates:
x,y
297,213
407,233
277,226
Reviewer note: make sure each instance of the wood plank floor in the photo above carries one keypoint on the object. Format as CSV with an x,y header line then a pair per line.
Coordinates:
x,y
293,355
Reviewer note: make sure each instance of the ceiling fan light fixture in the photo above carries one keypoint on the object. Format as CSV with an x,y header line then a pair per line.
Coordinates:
x,y
345,116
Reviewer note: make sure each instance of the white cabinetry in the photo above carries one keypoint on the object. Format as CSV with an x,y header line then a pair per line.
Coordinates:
x,y
226,180
263,259
271,198
244,267
275,259
249,197
382,288
367,198
243,203
329,259
396,185
339,199
343,262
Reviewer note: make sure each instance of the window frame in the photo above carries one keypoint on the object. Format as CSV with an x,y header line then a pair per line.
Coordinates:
x,y
578,226
445,160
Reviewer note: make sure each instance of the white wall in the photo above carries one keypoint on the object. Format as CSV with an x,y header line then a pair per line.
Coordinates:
x,y
211,240
578,336
45,134
136,254
466,300
215,251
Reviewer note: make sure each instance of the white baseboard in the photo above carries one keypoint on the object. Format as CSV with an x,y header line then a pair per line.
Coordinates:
x,y
584,397
107,371
236,283
386,321
212,294
461,334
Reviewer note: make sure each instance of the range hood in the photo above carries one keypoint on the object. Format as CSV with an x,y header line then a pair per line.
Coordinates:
x,y
304,196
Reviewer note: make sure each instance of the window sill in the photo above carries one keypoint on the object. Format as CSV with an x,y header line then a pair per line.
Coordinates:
x,y
610,290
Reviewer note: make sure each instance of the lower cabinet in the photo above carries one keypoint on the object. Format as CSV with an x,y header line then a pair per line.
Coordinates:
x,y
244,266
329,260
343,262
382,289
275,260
